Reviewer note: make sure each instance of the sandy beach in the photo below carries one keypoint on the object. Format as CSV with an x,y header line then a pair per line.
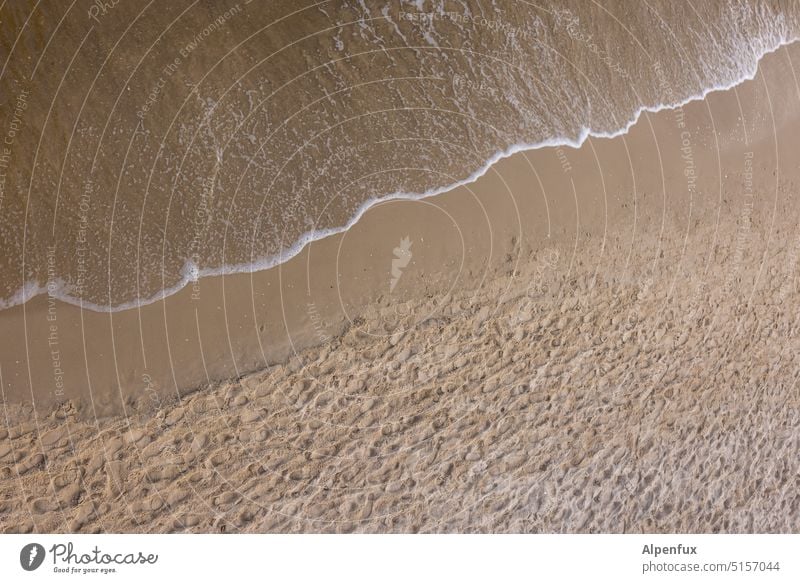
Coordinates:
x,y
600,339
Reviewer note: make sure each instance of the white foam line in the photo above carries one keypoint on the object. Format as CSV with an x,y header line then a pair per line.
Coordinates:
x,y
191,273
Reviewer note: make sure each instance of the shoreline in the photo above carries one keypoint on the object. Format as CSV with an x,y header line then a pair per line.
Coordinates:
x,y
603,345
191,274
139,359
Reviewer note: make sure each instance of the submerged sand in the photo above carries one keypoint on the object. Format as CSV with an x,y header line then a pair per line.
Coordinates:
x,y
592,340
145,139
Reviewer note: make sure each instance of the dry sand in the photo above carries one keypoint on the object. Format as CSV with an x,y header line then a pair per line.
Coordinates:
x,y
589,340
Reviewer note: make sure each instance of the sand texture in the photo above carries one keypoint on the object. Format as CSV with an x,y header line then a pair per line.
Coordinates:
x,y
593,339
586,409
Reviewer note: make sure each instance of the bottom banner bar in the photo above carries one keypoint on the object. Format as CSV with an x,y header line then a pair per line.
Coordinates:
x,y
372,558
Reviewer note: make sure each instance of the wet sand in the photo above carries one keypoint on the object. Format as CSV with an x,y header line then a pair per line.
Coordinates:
x,y
601,339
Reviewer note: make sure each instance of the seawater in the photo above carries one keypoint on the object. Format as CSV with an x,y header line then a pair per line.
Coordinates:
x,y
145,146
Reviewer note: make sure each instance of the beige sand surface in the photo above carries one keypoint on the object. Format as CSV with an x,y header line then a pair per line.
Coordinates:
x,y
635,370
